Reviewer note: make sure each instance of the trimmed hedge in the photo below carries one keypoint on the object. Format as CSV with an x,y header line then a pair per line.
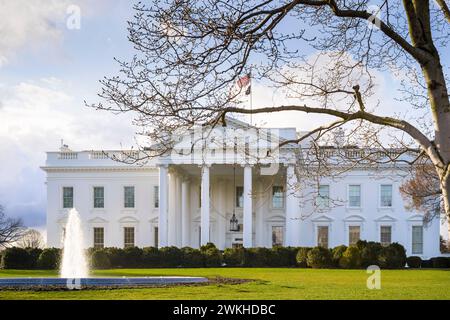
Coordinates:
x,y
49,259
414,262
319,257
361,255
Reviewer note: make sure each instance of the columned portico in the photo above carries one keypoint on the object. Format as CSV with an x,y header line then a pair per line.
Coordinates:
x,y
248,216
163,206
205,206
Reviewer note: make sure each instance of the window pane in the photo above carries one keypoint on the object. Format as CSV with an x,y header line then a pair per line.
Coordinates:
x,y
417,239
99,238
67,197
322,236
354,234
323,198
277,236
277,197
239,197
99,197
385,235
386,195
128,237
354,196
129,197
156,196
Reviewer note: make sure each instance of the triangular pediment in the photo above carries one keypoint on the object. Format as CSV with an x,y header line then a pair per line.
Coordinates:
x,y
354,218
322,218
97,220
128,219
386,218
416,218
154,219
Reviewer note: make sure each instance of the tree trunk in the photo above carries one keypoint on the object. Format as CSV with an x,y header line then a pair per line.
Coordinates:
x,y
445,186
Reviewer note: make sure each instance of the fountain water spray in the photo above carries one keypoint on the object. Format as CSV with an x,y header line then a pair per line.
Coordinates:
x,y
74,263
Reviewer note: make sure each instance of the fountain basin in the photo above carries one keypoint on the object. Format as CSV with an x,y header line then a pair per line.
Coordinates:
x,y
98,282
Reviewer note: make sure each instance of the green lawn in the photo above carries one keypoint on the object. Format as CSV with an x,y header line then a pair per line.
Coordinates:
x,y
273,283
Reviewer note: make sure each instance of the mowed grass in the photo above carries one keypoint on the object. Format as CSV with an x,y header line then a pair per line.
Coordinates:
x,y
269,283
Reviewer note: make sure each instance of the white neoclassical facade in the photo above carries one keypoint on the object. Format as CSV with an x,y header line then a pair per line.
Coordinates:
x,y
216,191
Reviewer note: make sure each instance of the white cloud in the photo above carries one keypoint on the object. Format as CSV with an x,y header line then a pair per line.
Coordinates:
x,y
29,23
34,116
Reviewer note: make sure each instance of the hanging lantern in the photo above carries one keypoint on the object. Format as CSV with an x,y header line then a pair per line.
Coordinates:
x,y
234,226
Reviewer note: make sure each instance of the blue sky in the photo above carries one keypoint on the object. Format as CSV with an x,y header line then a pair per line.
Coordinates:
x,y
47,71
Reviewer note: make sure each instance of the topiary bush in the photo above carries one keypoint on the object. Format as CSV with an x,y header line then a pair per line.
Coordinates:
x,y
281,257
337,253
302,257
99,259
151,257
171,256
212,256
351,258
16,258
440,262
192,258
370,252
132,257
319,257
116,257
392,256
49,259
233,257
34,254
414,262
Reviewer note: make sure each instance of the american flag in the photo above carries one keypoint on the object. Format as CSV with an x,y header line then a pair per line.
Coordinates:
x,y
244,82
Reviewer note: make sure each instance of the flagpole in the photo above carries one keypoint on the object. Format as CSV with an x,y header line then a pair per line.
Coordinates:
x,y
251,98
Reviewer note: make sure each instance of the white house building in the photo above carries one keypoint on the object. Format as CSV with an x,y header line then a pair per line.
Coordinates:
x,y
217,192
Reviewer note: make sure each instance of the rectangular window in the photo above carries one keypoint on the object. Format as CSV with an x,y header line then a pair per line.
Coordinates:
x,y
67,197
385,235
277,197
239,197
323,197
277,235
99,197
354,195
386,195
417,239
129,197
322,236
99,238
156,196
128,237
354,234
156,235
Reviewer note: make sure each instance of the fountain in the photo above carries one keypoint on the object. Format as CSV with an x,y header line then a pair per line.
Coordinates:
x,y
74,272
74,263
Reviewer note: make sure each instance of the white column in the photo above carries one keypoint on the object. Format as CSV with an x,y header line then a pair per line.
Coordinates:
x,y
260,214
221,216
163,206
185,213
292,208
178,211
205,206
248,217
172,210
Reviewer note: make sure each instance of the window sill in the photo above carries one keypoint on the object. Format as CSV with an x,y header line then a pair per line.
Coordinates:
x,y
129,211
98,210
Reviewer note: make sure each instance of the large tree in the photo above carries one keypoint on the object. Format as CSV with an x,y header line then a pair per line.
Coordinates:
x,y
324,55
11,229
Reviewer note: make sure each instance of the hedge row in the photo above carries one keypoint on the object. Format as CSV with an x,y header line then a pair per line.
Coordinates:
x,y
437,262
360,255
